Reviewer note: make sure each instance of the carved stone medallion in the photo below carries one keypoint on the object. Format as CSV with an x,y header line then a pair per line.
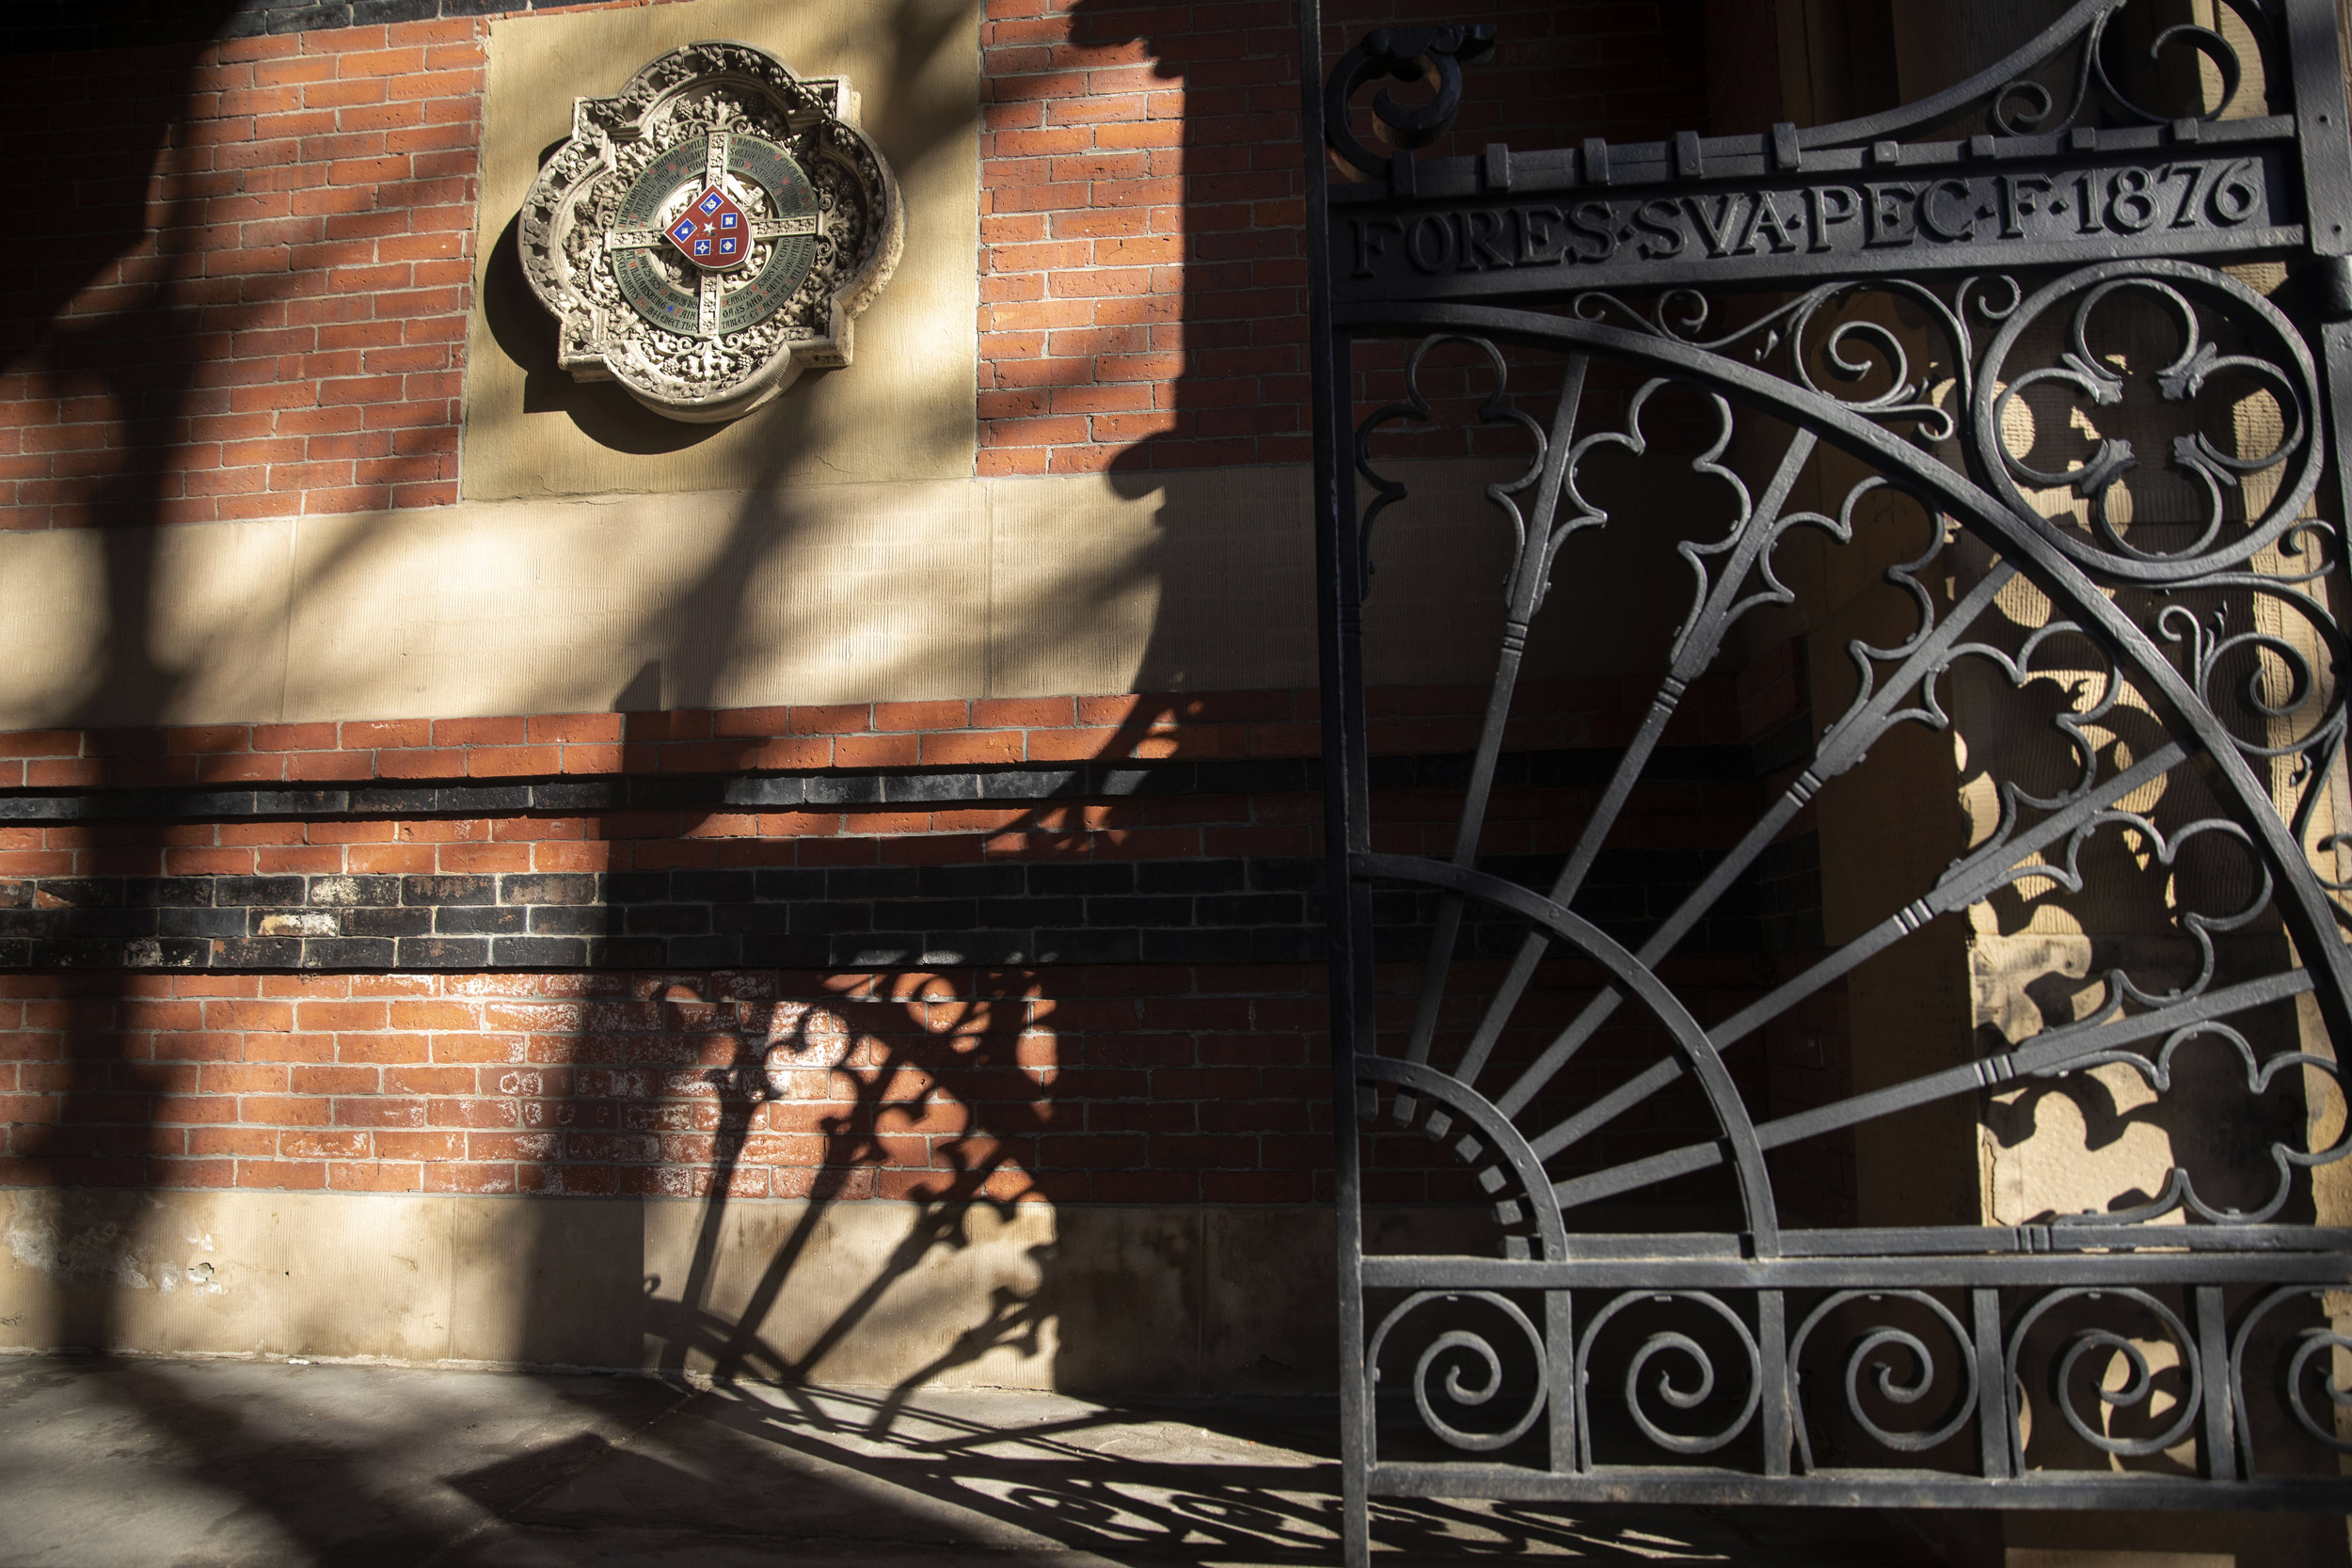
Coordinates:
x,y
711,232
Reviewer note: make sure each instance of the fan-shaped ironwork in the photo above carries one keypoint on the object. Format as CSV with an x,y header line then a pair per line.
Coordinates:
x,y
2056,370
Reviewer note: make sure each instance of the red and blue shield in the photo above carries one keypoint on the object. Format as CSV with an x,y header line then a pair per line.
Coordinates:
x,y
712,231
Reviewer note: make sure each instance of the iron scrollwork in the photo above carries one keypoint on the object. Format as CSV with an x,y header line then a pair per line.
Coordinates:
x,y
1433,56
2309,1343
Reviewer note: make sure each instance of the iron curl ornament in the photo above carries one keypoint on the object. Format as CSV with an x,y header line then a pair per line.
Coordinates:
x,y
1445,1359
1902,1378
1649,1373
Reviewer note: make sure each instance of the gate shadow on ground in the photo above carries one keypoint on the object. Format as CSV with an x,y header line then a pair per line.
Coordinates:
x,y
382,1467
1183,1482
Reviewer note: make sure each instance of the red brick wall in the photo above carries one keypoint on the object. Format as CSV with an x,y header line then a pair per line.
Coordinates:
x,y
1113,1084
1105,1083
1143,282
244,277
1412,720
243,295
1179,826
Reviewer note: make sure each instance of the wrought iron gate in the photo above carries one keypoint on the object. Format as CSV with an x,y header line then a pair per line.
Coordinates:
x,y
1911,340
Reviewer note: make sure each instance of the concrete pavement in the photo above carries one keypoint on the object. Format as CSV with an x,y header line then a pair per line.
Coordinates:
x,y
201,1463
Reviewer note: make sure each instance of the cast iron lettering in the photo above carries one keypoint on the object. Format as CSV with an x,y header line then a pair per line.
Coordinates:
x,y
1847,224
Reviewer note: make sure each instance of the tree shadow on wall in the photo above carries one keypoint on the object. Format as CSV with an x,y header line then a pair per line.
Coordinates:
x,y
101,315
113,310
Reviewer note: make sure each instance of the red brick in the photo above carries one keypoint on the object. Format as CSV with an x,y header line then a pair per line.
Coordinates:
x,y
876,750
919,716
549,727
975,746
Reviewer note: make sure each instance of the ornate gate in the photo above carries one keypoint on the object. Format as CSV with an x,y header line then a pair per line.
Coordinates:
x,y
1902,351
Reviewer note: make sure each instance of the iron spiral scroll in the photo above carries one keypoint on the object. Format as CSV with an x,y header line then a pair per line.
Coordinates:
x,y
2079,477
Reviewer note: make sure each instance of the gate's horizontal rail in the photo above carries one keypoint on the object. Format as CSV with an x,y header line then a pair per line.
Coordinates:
x,y
1889,1488
2327,1270
2063,1237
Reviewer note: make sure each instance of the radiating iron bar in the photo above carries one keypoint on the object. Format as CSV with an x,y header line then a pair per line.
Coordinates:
x,y
1608,1108
1714,1080
2054,1051
2087,1271
1694,652
1695,1487
1954,893
1528,579
2309,917
1843,747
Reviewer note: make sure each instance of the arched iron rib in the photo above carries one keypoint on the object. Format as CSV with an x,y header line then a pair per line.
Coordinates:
x,y
2052,1052
1531,578
2303,904
1430,1084
1714,1080
1711,619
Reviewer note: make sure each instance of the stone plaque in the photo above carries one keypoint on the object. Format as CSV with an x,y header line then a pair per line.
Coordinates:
x,y
711,231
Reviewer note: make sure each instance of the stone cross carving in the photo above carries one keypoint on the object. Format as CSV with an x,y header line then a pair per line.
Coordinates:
x,y
711,231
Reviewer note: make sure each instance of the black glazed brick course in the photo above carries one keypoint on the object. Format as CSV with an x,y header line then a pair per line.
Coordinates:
x,y
449,890
355,892
1186,911
474,920
548,888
